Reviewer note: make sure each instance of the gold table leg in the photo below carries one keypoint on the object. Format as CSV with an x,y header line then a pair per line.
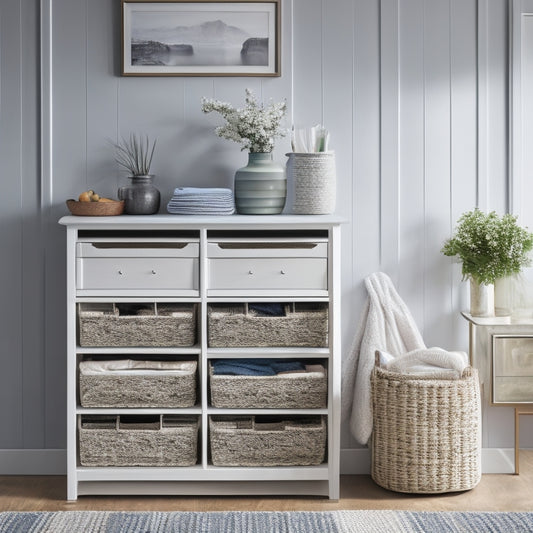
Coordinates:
x,y
517,412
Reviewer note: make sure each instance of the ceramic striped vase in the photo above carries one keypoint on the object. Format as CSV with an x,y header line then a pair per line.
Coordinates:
x,y
260,186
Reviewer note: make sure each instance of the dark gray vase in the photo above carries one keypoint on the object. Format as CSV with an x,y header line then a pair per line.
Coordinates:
x,y
260,186
141,197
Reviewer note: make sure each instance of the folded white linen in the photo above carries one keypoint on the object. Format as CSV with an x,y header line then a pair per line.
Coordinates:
x,y
132,367
434,363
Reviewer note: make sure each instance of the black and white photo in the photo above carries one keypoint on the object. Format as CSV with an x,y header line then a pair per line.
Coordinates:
x,y
200,38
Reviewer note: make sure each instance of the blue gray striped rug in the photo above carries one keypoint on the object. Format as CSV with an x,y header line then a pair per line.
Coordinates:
x,y
265,522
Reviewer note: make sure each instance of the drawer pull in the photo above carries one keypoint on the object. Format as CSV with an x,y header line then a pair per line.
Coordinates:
x,y
154,272
282,272
120,272
250,273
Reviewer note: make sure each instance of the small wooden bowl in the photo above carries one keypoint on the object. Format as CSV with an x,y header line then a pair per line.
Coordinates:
x,y
96,209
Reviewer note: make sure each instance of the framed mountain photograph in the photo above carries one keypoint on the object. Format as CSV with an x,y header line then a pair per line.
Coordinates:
x,y
200,38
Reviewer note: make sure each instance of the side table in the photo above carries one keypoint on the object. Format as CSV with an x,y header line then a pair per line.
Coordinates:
x,y
502,351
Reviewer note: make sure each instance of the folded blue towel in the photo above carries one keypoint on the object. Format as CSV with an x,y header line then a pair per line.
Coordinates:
x,y
267,309
254,367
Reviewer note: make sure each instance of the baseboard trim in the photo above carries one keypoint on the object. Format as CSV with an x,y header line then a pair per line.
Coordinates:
x,y
34,462
493,461
37,462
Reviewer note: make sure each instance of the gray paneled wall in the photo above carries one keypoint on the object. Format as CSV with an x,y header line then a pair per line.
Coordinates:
x,y
414,93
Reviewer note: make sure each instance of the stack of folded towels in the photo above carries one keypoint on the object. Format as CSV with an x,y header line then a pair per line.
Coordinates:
x,y
201,201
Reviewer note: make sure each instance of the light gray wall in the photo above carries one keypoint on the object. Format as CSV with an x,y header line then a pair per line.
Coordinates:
x,y
413,91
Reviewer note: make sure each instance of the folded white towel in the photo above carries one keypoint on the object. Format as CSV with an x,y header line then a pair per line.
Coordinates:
x,y
434,363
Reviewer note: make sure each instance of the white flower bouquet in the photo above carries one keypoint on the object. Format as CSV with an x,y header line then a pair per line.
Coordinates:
x,y
254,126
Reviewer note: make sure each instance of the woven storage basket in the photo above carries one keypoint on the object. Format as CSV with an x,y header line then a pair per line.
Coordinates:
x,y
314,178
307,390
427,432
164,440
110,324
304,324
127,383
253,441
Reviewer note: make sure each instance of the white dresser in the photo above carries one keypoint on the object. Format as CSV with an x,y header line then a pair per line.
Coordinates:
x,y
179,272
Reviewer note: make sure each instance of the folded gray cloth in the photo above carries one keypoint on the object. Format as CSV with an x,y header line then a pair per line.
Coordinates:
x,y
201,201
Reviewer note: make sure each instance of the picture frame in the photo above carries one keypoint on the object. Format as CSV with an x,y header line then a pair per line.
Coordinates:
x,y
201,38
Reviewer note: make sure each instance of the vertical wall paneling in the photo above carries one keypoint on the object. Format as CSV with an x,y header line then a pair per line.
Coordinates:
x,y
102,97
307,62
483,103
414,93
437,155
412,143
521,108
390,153
463,149
32,296
498,111
11,377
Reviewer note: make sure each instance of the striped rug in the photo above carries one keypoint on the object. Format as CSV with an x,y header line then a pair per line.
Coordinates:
x,y
266,522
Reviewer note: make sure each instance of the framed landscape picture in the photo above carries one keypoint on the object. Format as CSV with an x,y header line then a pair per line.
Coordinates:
x,y
200,38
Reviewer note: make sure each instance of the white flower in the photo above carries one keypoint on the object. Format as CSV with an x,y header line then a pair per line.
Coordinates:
x,y
254,126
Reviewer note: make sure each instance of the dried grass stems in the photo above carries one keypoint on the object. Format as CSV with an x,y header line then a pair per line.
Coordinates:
x,y
135,154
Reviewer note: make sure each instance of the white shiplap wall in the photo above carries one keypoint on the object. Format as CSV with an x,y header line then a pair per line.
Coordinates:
x,y
413,91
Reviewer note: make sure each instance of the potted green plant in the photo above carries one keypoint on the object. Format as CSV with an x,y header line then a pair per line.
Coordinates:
x,y
261,186
489,247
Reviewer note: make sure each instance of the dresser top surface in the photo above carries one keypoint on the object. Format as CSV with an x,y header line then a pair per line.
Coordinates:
x,y
197,221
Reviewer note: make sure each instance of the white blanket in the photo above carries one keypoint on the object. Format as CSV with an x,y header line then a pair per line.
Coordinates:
x,y
386,325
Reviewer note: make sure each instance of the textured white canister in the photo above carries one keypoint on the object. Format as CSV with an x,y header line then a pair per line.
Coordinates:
x,y
314,179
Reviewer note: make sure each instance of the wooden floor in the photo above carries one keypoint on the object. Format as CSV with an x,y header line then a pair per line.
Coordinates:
x,y
495,492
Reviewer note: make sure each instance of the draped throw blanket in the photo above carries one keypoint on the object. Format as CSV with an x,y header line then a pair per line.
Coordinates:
x,y
386,325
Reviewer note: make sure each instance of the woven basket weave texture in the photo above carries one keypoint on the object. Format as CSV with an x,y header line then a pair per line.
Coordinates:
x,y
144,444
297,391
155,325
314,178
140,390
231,326
243,441
427,432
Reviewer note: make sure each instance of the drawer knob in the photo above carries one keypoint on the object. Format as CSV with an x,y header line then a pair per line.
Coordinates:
x,y
120,272
154,272
250,273
282,272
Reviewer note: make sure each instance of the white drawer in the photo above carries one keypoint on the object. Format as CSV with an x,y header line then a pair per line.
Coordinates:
x,y
137,267
267,267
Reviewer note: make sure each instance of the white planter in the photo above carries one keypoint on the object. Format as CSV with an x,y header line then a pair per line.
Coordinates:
x,y
481,299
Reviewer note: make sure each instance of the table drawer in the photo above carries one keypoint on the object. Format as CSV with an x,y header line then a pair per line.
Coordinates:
x,y
278,267
137,266
512,369
513,356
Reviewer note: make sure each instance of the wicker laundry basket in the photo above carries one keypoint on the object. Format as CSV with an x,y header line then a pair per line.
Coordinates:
x,y
127,440
153,324
306,390
266,441
128,383
427,432
304,324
